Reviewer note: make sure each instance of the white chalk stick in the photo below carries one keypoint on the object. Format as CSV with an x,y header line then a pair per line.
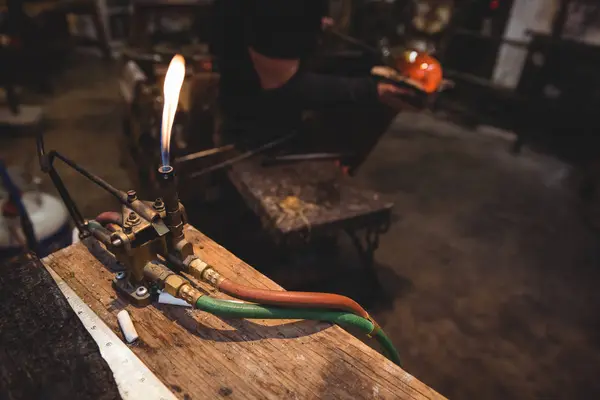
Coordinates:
x,y
166,298
75,238
127,327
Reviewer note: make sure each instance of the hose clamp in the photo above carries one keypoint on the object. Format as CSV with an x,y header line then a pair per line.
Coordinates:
x,y
376,327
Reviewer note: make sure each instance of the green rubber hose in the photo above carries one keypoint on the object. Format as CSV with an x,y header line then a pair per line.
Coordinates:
x,y
225,308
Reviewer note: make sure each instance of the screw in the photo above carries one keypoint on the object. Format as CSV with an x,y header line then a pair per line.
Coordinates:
x,y
127,229
120,275
158,204
117,242
131,196
141,291
133,218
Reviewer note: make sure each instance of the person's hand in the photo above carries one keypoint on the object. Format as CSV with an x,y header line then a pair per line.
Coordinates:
x,y
390,95
327,22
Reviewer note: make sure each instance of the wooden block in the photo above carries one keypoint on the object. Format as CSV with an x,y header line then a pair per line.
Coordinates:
x,y
200,356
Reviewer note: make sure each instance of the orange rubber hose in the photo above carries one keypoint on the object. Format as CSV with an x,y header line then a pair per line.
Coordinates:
x,y
112,227
109,217
292,299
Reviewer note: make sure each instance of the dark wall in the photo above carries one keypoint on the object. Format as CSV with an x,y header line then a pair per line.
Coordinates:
x,y
561,82
473,47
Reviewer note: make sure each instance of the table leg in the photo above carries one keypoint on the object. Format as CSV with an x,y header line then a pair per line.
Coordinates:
x,y
366,247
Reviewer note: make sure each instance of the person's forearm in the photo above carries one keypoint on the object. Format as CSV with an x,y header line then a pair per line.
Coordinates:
x,y
319,91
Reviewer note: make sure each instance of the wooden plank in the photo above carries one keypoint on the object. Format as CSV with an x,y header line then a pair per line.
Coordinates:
x,y
199,355
323,197
46,352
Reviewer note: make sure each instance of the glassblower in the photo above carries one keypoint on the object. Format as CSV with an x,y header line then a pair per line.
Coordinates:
x,y
148,239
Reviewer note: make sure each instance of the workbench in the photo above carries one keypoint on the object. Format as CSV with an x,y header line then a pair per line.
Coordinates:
x,y
200,356
300,202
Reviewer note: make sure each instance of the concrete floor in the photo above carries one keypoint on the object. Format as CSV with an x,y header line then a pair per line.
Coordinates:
x,y
490,273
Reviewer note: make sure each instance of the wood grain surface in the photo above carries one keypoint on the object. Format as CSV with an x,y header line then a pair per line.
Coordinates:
x,y
200,356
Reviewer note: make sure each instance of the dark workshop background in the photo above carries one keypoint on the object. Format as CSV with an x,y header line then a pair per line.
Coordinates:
x,y
490,269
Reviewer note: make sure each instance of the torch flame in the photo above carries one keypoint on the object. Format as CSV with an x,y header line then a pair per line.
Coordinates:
x,y
171,89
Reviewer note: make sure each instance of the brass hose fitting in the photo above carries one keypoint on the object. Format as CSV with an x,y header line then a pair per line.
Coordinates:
x,y
190,294
156,272
203,271
172,283
180,287
196,267
211,276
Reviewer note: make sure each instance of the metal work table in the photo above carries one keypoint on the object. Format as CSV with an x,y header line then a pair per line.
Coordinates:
x,y
197,355
304,200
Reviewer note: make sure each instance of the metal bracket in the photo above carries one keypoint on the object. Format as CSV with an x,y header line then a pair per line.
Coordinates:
x,y
139,295
367,244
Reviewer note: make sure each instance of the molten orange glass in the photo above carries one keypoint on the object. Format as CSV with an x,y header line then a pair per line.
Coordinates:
x,y
422,69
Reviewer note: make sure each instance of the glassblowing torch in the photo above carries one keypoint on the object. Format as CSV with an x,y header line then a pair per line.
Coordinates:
x,y
143,231
168,186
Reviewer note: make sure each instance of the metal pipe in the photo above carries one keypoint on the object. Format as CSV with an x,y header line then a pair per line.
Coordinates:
x,y
147,212
293,158
69,203
174,219
243,156
169,188
176,264
47,167
203,153
353,41
119,194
